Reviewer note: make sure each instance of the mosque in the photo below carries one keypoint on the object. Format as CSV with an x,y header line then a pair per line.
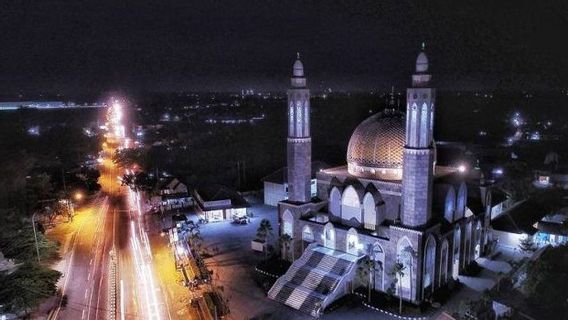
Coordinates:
x,y
390,203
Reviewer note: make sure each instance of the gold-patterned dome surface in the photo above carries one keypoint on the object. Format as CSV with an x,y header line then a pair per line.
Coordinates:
x,y
378,142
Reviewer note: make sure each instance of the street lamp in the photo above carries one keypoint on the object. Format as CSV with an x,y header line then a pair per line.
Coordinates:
x,y
35,236
78,196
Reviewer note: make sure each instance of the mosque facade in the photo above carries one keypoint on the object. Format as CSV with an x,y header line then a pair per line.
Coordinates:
x,y
390,203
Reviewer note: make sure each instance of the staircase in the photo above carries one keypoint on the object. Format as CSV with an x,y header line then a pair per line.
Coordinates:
x,y
315,280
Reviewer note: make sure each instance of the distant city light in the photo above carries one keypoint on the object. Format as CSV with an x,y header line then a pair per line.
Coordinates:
x,y
517,120
462,168
34,131
497,171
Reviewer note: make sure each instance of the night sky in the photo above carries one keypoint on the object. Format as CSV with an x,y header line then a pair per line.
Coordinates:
x,y
74,46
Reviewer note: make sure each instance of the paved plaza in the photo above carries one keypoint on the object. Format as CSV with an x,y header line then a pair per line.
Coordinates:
x,y
233,265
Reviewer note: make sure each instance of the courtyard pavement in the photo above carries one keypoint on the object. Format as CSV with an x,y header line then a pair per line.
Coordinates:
x,y
233,265
474,286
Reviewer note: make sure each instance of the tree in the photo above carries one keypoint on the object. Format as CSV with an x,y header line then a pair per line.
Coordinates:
x,y
527,244
263,232
545,284
398,271
19,244
26,287
366,272
139,181
518,180
481,309
194,237
285,242
40,187
125,158
89,179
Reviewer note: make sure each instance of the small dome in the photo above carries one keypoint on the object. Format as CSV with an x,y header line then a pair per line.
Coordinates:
x,y
298,69
422,63
376,146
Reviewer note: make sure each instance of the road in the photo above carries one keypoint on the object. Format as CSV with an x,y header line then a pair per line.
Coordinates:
x,y
109,268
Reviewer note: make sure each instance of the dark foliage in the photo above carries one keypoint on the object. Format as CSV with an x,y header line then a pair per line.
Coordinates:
x,y
25,288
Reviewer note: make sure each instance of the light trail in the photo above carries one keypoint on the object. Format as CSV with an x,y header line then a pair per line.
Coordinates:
x,y
122,308
147,301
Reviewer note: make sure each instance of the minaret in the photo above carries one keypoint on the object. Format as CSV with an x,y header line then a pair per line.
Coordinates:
x,y
299,140
418,163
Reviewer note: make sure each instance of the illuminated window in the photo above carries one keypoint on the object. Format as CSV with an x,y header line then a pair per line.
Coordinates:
x,y
352,242
299,118
307,234
288,223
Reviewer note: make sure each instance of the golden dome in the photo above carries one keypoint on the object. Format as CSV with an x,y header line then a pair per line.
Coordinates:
x,y
376,146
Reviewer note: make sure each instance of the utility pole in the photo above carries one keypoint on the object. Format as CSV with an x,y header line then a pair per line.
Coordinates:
x,y
70,210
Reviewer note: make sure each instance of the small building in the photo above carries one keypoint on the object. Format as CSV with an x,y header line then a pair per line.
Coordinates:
x,y
539,218
219,203
276,184
172,194
546,178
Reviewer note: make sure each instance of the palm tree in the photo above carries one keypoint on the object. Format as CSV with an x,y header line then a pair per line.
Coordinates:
x,y
263,232
366,273
398,271
285,241
194,238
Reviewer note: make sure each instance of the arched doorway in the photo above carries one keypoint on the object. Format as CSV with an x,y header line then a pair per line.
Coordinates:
x,y
456,252
477,250
335,202
329,236
288,223
450,205
462,200
405,255
352,242
444,263
379,258
350,205
467,245
307,236
369,211
429,267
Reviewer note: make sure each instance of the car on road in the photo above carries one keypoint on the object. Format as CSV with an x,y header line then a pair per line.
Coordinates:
x,y
241,220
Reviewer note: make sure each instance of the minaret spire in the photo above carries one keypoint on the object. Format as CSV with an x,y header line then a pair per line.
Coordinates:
x,y
299,139
418,154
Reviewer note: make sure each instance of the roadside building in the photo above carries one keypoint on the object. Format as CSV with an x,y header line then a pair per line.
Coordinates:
x,y
219,203
543,219
172,194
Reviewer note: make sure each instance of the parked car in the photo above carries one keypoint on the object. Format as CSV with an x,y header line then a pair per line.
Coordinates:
x,y
241,220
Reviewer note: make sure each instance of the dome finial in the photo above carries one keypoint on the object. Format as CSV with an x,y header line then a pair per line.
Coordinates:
x,y
422,61
298,69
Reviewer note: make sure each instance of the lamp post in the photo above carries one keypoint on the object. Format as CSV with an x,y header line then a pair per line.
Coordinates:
x,y
35,236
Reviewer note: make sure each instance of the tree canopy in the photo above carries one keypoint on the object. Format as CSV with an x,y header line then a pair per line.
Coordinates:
x,y
546,280
26,287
